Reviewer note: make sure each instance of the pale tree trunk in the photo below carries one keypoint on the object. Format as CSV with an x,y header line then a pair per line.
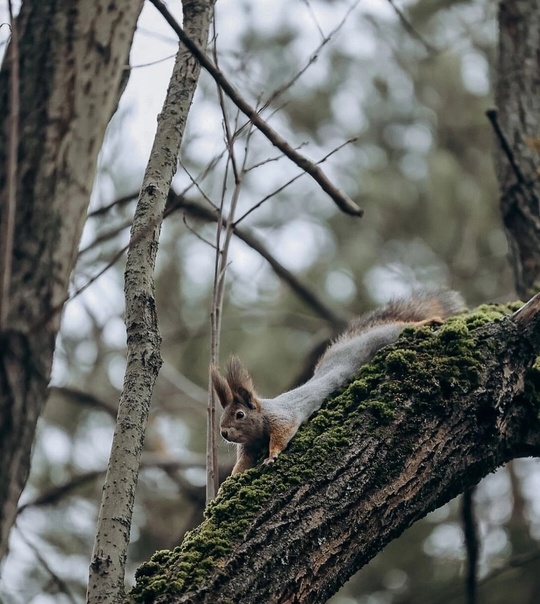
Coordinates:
x,y
107,569
73,58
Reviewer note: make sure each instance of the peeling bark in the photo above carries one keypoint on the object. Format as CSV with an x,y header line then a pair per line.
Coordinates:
x,y
72,67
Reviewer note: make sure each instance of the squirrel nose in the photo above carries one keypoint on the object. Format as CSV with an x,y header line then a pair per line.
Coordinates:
x,y
224,434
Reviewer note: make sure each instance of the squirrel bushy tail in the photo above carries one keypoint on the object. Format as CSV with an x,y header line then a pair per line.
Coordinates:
x,y
418,307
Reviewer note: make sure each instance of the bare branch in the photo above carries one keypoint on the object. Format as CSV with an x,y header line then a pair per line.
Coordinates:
x,y
503,141
119,201
303,291
293,179
516,561
84,398
314,55
314,17
344,202
409,28
149,460
58,581
216,311
199,237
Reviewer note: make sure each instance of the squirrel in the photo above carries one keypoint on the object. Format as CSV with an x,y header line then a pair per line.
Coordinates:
x,y
254,423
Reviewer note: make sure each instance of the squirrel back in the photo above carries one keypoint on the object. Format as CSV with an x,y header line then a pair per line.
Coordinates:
x,y
255,423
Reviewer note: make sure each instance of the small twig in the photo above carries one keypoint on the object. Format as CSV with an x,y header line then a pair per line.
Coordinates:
x,y
471,545
314,17
151,63
11,177
120,201
220,269
194,232
269,160
104,237
312,59
409,28
345,203
290,181
195,182
135,239
58,581
84,398
505,146
514,562
55,494
184,385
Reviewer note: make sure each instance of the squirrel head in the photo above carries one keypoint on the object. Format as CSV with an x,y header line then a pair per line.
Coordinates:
x,y
242,421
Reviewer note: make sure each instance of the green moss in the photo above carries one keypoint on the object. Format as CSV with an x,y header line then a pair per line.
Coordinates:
x,y
408,375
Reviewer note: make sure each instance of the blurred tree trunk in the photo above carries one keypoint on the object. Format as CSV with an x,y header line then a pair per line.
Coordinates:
x,y
518,155
72,67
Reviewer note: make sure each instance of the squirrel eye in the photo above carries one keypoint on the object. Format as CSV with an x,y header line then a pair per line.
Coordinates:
x,y
240,414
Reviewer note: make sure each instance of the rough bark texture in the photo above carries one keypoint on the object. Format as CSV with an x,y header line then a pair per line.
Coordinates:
x,y
518,107
107,569
428,418
72,68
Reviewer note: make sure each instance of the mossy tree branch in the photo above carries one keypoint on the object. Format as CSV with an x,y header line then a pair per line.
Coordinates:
x,y
429,417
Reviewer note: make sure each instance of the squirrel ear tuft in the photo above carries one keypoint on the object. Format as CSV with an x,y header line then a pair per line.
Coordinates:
x,y
220,385
240,383
238,376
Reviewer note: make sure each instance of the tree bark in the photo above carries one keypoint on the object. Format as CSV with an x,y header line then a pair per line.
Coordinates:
x,y
428,418
518,155
107,569
72,68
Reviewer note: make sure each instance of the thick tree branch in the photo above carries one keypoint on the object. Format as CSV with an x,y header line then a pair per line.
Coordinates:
x,y
428,418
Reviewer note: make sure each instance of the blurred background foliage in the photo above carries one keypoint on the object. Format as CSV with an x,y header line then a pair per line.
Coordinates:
x,y
410,86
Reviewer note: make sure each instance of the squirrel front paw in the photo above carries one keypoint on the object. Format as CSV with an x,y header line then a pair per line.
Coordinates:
x,y
270,460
